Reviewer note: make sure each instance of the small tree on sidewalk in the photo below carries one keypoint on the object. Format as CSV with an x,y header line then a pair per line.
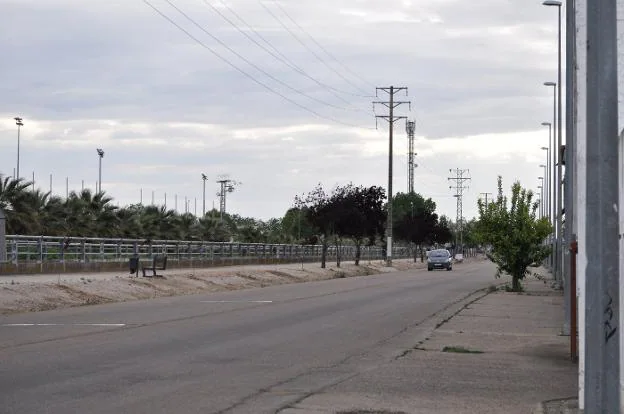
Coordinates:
x,y
514,233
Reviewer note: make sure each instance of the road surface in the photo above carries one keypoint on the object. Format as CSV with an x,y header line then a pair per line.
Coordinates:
x,y
252,351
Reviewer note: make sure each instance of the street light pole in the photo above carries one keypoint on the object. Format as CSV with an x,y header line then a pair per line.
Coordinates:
x,y
541,187
558,181
554,188
548,176
100,153
204,178
19,123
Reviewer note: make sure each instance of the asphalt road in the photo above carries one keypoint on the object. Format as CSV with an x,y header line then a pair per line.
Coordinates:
x,y
250,351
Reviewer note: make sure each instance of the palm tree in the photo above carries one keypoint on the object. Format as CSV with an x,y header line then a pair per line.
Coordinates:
x,y
54,221
212,228
16,204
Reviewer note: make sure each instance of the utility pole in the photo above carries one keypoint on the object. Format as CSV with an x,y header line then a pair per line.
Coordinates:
x,y
461,178
602,307
227,186
411,128
569,189
486,198
391,118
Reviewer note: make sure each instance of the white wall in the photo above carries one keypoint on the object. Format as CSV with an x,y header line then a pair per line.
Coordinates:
x,y
580,180
620,30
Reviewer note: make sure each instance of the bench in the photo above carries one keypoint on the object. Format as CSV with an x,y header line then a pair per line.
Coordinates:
x,y
158,262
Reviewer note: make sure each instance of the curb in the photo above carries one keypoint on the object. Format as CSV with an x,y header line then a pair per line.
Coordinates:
x,y
558,406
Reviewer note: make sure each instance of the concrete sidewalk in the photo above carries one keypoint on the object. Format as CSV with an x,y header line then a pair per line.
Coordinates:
x,y
502,353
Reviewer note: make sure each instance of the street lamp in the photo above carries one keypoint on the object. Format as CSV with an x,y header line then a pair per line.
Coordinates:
x,y
19,123
100,153
548,176
547,214
558,199
539,200
541,187
204,178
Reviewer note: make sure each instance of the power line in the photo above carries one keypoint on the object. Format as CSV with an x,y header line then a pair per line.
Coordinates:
x,y
461,177
410,128
249,62
244,73
391,118
276,53
310,50
320,46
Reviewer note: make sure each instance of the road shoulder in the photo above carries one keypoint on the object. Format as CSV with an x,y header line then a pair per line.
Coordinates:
x,y
500,353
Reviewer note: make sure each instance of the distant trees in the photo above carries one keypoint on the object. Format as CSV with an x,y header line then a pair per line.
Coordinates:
x,y
89,214
350,212
513,231
415,221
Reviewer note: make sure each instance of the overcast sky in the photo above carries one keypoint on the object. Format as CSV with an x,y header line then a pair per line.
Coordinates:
x,y
114,74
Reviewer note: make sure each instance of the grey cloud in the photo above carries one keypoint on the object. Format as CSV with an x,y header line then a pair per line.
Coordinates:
x,y
74,61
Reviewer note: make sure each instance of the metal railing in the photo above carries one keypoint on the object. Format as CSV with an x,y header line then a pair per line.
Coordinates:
x,y
42,254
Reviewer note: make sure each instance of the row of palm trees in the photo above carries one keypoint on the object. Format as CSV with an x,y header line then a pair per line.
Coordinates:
x,y
89,214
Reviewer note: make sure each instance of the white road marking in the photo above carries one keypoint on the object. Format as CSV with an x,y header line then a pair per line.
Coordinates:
x,y
63,324
236,301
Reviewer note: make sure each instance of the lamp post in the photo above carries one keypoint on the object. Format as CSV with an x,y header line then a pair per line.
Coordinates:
x,y
19,123
558,181
100,153
546,201
204,178
554,188
549,185
548,177
541,187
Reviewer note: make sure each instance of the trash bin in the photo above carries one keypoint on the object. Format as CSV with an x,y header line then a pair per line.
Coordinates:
x,y
133,264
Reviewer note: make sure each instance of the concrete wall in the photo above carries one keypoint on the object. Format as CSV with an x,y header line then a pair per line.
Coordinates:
x,y
580,180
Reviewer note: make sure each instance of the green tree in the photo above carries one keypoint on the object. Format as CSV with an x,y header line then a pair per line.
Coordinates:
x,y
297,227
317,205
442,232
513,232
17,205
360,215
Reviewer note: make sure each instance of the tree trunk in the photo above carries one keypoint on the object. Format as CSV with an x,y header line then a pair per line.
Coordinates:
x,y
358,252
516,287
337,252
323,253
415,253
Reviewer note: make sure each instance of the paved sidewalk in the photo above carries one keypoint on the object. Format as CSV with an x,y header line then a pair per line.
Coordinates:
x,y
500,354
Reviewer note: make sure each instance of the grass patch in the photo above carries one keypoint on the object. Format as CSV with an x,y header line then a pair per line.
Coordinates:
x,y
492,288
460,350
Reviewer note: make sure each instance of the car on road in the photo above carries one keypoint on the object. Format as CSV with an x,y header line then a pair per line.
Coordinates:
x,y
439,259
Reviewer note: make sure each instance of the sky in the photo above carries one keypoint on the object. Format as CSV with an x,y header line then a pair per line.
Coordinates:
x,y
276,95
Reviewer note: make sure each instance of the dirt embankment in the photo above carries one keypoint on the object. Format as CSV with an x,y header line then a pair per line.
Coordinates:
x,y
21,294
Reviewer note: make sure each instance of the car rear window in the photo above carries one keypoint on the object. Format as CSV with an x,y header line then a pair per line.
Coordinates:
x,y
439,253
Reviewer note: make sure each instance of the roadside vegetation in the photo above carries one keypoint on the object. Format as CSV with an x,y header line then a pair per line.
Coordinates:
x,y
514,234
352,215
